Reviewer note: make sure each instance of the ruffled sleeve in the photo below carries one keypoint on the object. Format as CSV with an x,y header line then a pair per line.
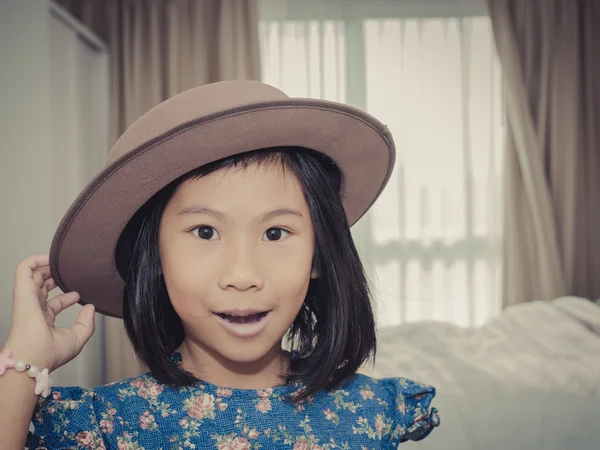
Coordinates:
x,y
68,418
412,416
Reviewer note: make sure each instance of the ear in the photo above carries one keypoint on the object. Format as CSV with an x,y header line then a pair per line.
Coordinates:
x,y
314,273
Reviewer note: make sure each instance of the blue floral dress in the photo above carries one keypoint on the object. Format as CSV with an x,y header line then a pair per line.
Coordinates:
x,y
142,413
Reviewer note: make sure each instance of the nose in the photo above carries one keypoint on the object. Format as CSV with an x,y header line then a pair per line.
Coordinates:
x,y
240,268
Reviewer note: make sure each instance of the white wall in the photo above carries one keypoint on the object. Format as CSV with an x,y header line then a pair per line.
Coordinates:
x,y
53,139
26,218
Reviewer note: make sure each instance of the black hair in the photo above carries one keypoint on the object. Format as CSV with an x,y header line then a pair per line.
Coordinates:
x,y
334,331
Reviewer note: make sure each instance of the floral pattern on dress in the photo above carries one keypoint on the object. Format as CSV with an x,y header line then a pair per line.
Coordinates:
x,y
143,413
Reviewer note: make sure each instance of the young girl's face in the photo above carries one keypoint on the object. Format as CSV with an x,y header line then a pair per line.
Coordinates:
x,y
236,249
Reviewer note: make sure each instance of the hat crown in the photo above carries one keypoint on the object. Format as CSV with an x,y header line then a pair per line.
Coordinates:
x,y
191,105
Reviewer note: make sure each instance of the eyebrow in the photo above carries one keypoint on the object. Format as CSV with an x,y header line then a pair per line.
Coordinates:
x,y
222,216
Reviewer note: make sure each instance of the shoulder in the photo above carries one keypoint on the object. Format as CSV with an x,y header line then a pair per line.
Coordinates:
x,y
67,418
83,417
127,387
395,388
403,405
143,386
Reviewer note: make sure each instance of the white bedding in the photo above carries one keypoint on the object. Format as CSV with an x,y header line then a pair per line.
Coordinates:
x,y
527,379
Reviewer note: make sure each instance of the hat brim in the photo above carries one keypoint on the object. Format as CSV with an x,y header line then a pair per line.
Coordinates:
x,y
82,254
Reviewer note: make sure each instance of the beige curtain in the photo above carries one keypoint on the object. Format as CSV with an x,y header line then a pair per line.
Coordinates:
x,y
548,51
159,48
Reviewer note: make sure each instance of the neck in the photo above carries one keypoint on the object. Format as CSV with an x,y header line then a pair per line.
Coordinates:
x,y
211,367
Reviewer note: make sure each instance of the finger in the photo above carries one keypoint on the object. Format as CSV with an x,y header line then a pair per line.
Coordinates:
x,y
84,325
62,301
49,285
41,275
26,267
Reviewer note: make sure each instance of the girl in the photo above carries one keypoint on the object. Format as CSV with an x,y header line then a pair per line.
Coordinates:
x,y
219,230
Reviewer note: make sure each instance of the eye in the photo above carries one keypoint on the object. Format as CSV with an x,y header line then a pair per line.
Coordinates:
x,y
206,233
275,234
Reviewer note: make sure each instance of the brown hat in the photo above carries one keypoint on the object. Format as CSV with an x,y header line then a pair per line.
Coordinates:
x,y
191,129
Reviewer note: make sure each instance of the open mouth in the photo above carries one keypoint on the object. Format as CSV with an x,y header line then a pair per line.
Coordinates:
x,y
241,319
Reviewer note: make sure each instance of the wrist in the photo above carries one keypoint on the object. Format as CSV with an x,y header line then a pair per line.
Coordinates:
x,y
30,354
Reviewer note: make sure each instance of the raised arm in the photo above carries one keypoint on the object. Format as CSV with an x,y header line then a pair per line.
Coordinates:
x,y
34,345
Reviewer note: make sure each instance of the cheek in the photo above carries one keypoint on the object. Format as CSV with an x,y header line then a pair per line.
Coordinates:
x,y
187,277
289,279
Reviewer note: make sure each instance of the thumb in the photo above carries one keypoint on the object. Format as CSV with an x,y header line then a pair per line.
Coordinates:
x,y
84,325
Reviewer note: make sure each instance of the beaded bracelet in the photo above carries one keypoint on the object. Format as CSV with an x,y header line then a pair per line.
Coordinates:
x,y
42,380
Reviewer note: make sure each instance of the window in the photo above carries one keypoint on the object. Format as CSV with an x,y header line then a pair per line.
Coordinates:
x,y
431,243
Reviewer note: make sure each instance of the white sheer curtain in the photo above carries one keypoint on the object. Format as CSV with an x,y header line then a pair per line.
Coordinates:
x,y
428,70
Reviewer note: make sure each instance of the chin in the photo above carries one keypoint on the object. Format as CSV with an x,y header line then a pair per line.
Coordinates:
x,y
242,357
244,352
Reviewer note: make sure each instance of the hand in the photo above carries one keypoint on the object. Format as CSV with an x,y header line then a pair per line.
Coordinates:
x,y
33,337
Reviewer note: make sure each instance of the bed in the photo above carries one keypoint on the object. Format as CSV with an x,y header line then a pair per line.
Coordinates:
x,y
528,379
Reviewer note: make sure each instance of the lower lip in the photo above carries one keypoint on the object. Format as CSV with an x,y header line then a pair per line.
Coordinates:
x,y
245,330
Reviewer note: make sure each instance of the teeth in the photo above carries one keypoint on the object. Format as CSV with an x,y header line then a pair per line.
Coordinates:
x,y
250,318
